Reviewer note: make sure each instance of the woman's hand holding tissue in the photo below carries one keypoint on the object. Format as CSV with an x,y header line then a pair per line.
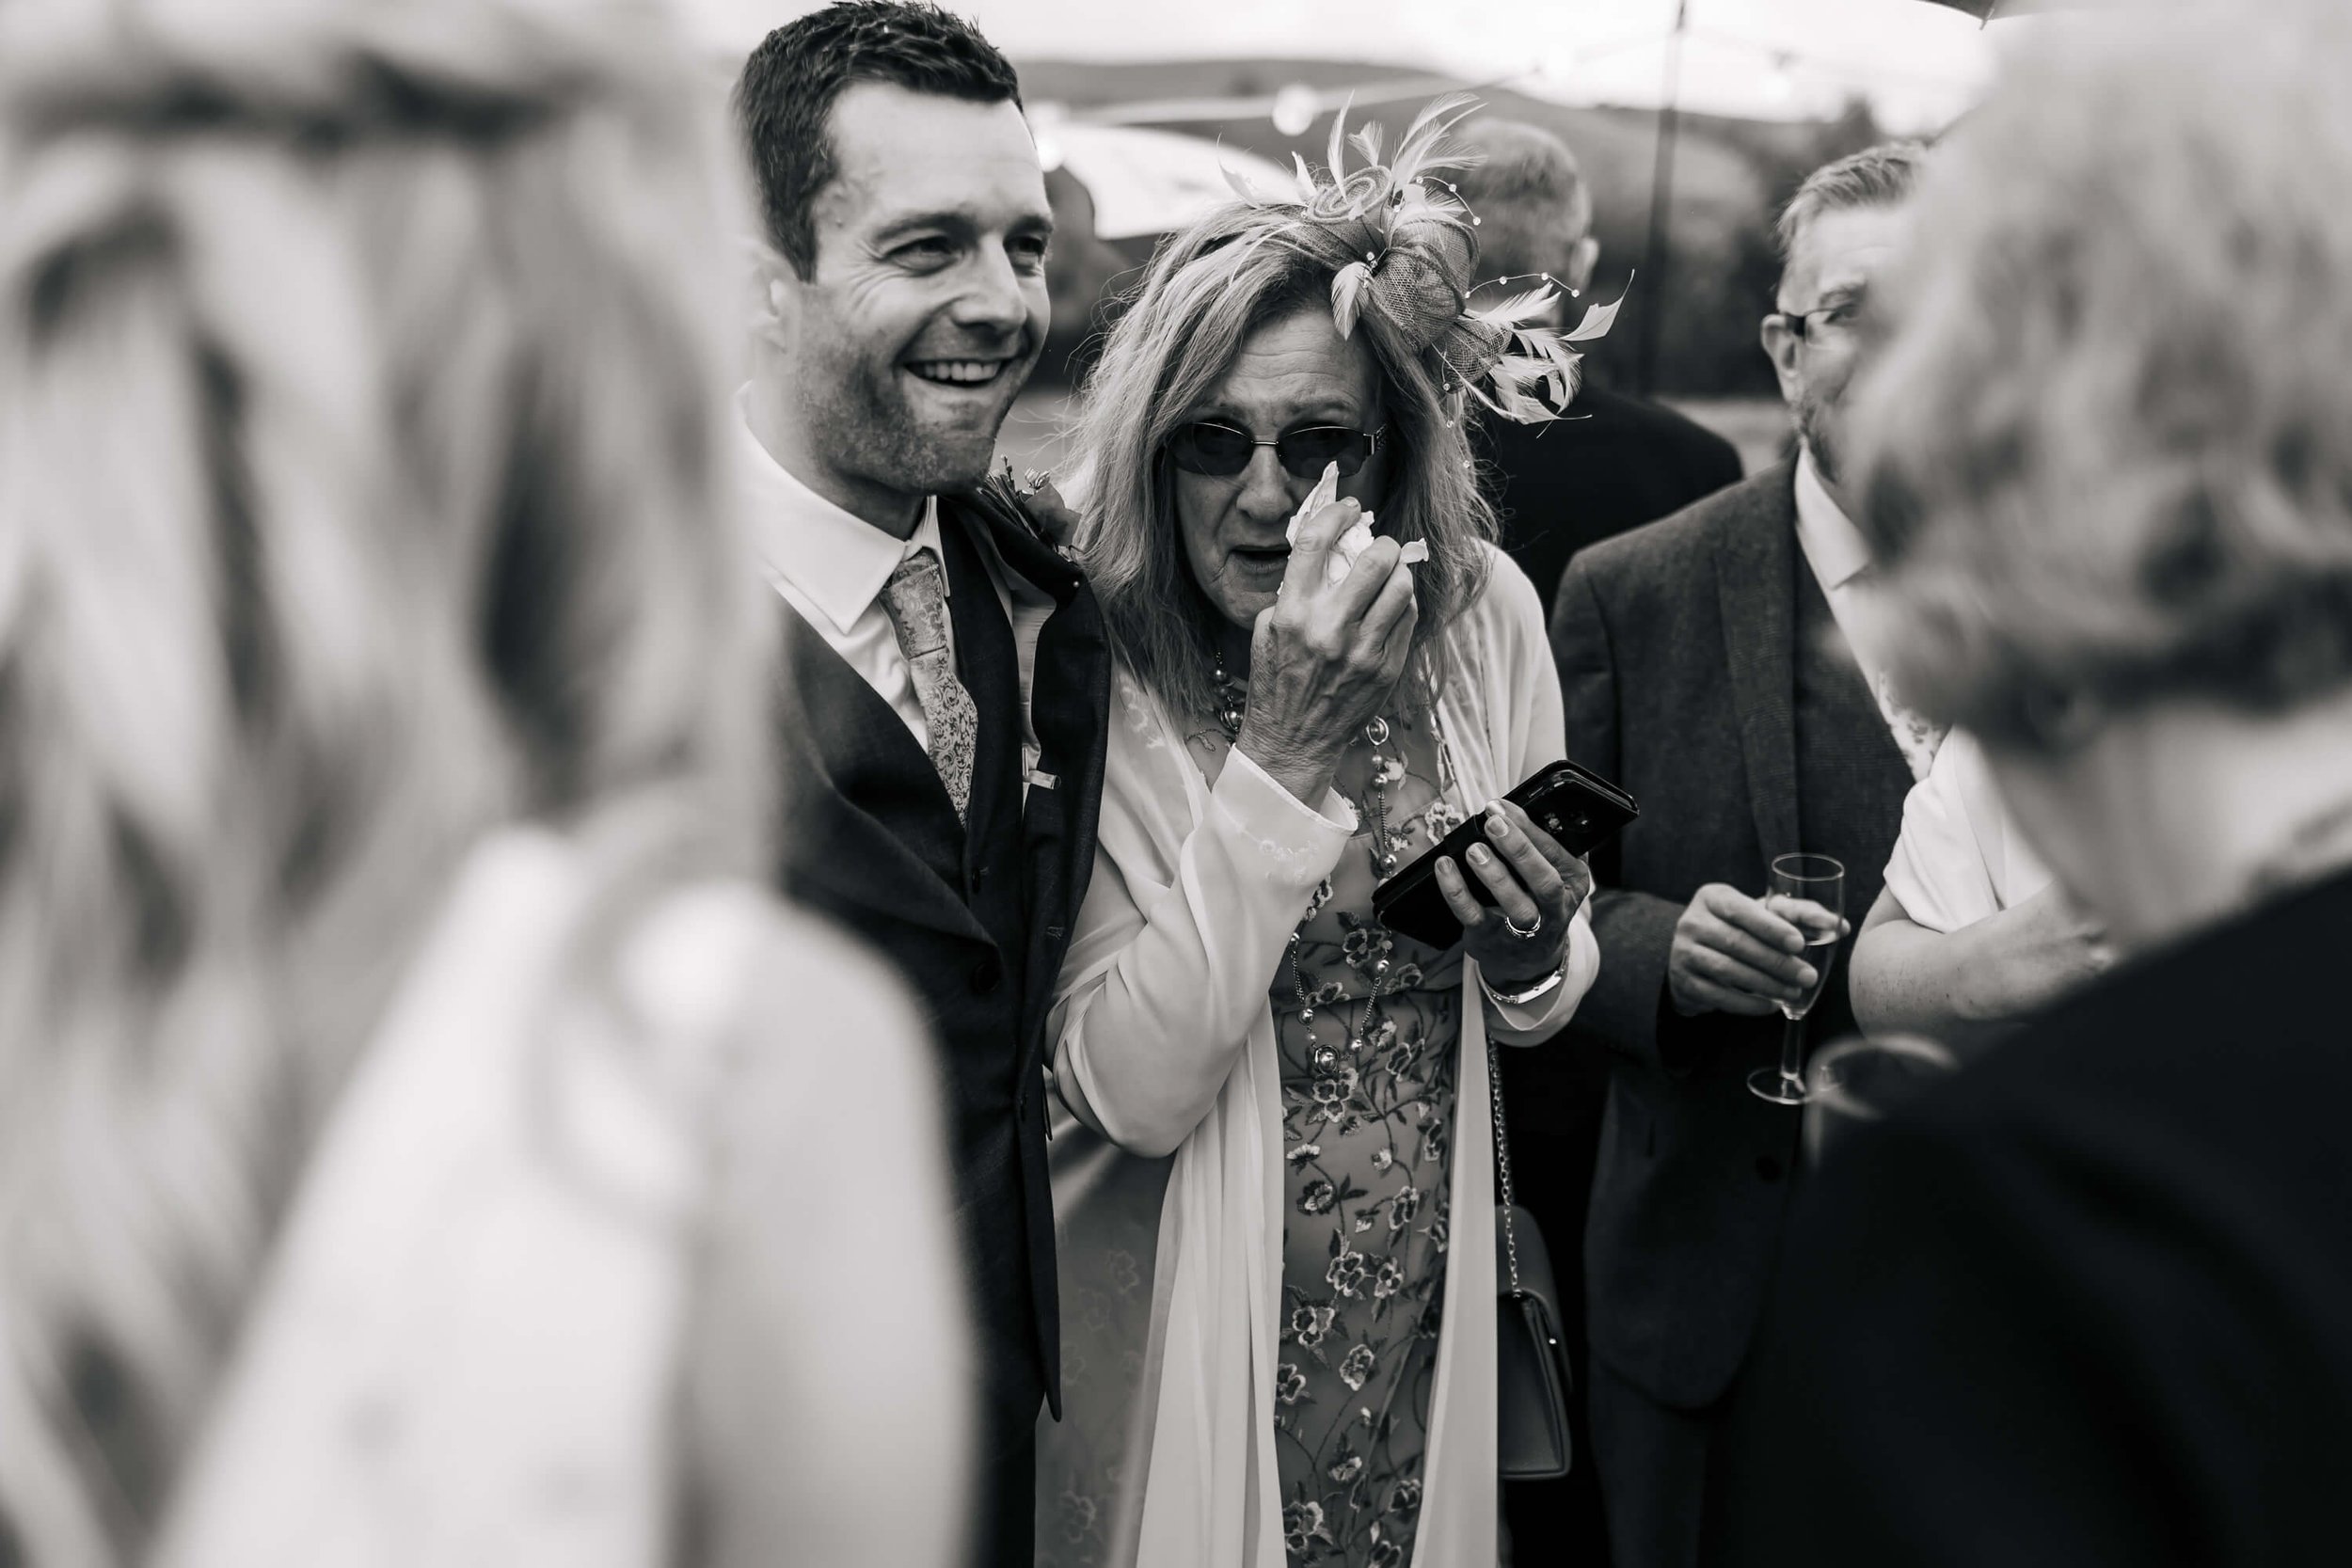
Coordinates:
x,y
1326,658
1354,540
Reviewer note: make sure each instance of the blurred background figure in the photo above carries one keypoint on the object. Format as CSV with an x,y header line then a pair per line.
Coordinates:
x,y
1615,461
418,1141
2089,1303
1969,936
1707,663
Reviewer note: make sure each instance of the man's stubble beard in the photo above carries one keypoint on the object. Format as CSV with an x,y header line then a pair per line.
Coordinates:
x,y
1816,423
872,427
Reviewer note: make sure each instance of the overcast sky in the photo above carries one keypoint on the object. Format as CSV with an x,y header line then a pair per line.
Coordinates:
x,y
1919,64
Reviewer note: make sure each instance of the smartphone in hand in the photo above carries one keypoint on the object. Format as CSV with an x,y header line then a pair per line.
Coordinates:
x,y
1577,807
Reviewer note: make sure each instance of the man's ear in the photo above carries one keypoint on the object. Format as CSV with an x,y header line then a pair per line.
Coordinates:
x,y
775,295
1581,262
1780,346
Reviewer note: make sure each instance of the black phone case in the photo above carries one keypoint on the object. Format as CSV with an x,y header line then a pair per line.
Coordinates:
x,y
1577,807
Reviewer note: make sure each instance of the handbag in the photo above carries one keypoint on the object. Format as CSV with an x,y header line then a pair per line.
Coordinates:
x,y
1532,1377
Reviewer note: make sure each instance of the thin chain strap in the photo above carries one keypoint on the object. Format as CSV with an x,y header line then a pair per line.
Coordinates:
x,y
1502,1162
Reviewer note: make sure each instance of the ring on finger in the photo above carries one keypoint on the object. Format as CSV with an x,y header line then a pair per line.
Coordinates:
x,y
1524,932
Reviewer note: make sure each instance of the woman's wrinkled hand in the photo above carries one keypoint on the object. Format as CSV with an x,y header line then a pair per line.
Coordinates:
x,y
1325,658
1537,885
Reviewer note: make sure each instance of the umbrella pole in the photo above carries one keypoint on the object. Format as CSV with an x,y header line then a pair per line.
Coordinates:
x,y
1660,202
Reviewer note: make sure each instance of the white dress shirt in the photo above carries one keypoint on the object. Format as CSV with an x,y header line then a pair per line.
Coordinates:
x,y
832,566
1960,858
1840,556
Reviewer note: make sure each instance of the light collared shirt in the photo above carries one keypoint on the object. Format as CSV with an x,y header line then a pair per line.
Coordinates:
x,y
1840,560
1960,858
1840,556
832,565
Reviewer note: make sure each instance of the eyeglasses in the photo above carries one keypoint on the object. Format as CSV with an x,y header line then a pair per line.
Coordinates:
x,y
1824,323
1221,451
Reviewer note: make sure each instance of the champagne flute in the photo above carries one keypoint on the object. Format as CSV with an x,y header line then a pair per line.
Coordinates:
x,y
1808,892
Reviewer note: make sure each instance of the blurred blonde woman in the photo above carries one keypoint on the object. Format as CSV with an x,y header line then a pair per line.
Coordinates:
x,y
402,1154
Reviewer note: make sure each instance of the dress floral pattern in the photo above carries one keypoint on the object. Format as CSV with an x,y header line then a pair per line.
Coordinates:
x,y
1367,1112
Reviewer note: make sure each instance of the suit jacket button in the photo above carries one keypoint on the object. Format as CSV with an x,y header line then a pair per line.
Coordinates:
x,y
987,976
1767,1167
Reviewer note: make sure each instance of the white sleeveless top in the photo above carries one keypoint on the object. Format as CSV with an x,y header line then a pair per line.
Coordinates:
x,y
464,1350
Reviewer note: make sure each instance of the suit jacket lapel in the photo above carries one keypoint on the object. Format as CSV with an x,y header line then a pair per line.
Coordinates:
x,y
1756,566
1069,704
988,663
869,825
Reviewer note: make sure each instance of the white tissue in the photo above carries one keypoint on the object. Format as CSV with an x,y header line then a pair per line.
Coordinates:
x,y
1354,542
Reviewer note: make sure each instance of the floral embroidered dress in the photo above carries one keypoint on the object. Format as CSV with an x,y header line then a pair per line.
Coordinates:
x,y
1365,1023
1192,1281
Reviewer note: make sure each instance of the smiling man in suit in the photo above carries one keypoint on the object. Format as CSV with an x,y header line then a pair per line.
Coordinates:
x,y
1706,665
946,675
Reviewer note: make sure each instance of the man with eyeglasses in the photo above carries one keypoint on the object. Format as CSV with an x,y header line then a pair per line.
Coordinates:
x,y
1707,663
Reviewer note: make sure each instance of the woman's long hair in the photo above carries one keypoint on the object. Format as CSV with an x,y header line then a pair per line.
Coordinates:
x,y
362,405
1204,293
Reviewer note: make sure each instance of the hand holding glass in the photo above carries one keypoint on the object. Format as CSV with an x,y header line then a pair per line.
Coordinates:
x,y
1809,892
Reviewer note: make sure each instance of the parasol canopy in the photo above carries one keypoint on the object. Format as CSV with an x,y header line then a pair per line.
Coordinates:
x,y
1146,181
1993,10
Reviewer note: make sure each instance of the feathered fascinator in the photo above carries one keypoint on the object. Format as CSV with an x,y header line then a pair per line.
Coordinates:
x,y
1420,245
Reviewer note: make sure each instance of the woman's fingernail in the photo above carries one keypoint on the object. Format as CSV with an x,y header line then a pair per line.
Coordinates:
x,y
1478,855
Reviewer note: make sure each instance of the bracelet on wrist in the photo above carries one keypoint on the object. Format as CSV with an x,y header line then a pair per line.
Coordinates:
x,y
1535,992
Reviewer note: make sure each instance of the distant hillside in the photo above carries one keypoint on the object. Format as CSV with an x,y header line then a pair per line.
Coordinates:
x,y
1730,175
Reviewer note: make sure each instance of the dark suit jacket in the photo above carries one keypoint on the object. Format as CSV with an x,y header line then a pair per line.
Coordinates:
x,y
2090,1302
872,839
1677,649
1614,463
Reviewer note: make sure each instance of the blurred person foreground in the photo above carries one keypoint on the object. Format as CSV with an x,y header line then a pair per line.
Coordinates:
x,y
2089,1302
406,1147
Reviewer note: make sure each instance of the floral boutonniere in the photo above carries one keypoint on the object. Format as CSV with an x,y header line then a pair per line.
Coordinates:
x,y
1034,496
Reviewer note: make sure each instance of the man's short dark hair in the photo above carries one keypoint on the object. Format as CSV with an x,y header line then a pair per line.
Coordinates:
x,y
788,85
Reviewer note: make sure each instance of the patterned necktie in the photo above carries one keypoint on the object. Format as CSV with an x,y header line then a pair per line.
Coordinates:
x,y
916,598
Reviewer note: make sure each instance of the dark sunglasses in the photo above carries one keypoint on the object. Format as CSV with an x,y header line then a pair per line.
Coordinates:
x,y
1219,451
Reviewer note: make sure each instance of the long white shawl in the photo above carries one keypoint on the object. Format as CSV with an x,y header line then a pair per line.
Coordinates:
x,y
1171,1268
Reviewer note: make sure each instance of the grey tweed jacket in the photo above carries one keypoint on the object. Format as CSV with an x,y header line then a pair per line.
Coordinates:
x,y
1675,646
